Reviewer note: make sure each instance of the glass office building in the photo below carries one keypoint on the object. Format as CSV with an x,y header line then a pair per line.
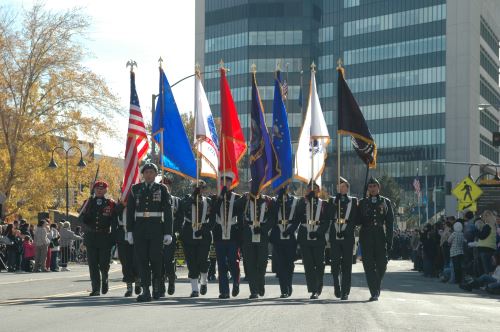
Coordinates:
x,y
420,69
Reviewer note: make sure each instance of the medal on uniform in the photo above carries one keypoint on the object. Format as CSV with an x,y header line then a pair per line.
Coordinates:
x,y
157,196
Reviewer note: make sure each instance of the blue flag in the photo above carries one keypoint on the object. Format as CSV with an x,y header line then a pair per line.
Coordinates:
x,y
263,160
175,150
281,137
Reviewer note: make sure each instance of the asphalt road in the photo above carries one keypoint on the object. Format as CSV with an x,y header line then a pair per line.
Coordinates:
x,y
408,302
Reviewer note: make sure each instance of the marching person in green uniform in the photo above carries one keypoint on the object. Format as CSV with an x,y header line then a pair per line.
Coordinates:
x,y
342,238
313,221
169,260
99,215
194,212
149,227
256,224
375,236
283,239
126,254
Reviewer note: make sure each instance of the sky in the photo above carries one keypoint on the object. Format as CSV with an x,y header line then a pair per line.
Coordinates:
x,y
143,31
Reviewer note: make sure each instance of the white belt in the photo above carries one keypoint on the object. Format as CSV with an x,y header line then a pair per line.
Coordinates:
x,y
148,214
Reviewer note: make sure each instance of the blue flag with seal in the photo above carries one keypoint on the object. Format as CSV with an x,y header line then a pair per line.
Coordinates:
x,y
169,134
281,137
264,166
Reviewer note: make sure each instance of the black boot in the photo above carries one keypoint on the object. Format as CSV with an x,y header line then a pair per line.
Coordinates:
x,y
314,296
156,290
337,291
236,290
194,294
203,289
128,293
104,286
94,293
138,288
253,296
145,296
171,286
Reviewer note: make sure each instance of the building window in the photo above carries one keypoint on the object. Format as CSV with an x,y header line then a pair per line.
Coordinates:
x,y
396,50
395,20
488,121
487,150
489,93
489,65
489,36
351,3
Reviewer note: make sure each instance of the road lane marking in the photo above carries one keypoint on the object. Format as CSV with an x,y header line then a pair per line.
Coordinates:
x,y
50,279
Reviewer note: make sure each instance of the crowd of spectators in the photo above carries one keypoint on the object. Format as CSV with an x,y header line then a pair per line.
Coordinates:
x,y
46,247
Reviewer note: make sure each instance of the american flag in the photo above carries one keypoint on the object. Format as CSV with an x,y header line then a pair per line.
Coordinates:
x,y
284,90
416,185
137,142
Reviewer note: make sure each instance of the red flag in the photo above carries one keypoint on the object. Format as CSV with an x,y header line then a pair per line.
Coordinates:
x,y
137,142
233,146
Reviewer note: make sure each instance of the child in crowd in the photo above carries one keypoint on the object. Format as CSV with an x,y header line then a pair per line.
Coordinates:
x,y
28,253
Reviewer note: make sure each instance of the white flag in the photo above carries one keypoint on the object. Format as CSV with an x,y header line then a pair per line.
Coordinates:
x,y
313,140
205,134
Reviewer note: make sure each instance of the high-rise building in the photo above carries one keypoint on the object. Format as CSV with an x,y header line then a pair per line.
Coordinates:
x,y
425,73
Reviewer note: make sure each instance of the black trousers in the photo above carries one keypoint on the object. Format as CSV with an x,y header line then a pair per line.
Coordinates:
x,y
196,253
341,263
313,258
255,256
150,257
129,264
284,258
169,267
98,259
373,248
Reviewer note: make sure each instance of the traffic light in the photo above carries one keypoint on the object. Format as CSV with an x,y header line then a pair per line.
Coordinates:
x,y
447,189
75,197
496,139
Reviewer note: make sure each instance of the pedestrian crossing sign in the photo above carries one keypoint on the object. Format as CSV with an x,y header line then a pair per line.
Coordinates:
x,y
462,206
466,191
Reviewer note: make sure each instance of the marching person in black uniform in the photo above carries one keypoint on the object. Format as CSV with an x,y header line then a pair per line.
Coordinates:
x,y
283,239
227,236
149,226
194,212
311,237
256,224
126,254
99,214
169,267
342,238
375,236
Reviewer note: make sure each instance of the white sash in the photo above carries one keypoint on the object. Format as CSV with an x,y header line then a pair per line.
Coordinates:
x,y
290,217
256,237
203,216
226,228
312,227
341,227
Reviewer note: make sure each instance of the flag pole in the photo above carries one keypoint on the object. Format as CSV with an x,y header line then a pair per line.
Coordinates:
x,y
224,221
198,76
313,71
162,95
341,72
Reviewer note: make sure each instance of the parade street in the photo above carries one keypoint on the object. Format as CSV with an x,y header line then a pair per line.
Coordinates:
x,y
408,302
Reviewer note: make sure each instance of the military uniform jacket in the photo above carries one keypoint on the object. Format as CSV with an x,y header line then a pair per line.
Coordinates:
x,y
225,224
99,217
177,220
284,217
260,214
377,211
119,228
149,210
187,210
315,222
348,212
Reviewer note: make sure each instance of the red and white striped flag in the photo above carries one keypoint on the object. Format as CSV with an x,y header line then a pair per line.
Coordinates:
x,y
137,142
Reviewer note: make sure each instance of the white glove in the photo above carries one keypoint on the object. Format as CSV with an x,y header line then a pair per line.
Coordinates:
x,y
167,239
130,238
472,244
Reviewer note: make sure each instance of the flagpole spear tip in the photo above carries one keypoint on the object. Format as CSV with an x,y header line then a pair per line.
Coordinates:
x,y
131,63
313,67
197,70
278,65
253,68
340,68
160,61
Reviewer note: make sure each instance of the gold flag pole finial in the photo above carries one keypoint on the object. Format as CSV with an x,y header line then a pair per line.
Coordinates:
x,y
278,65
160,62
253,68
132,64
313,67
339,67
221,65
197,70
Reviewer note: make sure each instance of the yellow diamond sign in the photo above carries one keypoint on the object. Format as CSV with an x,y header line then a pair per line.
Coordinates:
x,y
467,191
467,206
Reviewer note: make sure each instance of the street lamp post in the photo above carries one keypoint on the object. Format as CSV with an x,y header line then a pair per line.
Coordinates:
x,y
53,165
